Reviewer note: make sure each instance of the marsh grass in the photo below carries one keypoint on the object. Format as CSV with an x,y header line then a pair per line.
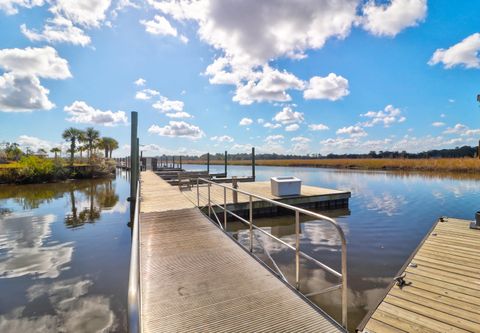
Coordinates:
x,y
467,164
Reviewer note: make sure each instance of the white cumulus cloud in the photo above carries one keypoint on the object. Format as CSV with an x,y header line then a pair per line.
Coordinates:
x,y
146,94
353,131
40,62
10,7
332,87
178,129
274,139
223,138
159,26
318,127
288,116
388,19
20,86
34,143
165,105
88,13
438,124
300,139
57,30
465,53
272,126
140,82
269,85
179,114
81,112
292,127
245,122
388,116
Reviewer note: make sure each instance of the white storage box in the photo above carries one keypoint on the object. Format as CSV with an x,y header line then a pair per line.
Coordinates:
x,y
283,186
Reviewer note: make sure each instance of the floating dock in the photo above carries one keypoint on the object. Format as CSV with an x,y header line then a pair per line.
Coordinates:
x,y
195,278
438,289
311,197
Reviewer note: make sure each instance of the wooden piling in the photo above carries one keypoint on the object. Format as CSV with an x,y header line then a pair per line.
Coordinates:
x,y
226,163
253,163
208,163
133,153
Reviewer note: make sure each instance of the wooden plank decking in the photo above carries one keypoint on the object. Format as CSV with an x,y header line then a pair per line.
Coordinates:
x,y
442,291
194,278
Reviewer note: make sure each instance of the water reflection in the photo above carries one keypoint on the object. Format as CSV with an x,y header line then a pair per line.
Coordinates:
x,y
58,273
25,249
71,310
97,197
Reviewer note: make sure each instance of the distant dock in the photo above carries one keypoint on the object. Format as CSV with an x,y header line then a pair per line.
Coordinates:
x,y
438,289
311,197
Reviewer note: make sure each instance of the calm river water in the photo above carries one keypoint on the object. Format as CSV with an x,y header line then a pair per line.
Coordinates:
x,y
64,248
64,256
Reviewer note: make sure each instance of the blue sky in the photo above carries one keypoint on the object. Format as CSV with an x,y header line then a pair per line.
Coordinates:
x,y
283,76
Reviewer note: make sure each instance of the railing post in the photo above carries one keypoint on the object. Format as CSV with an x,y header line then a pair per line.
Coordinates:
x,y
225,208
209,202
250,213
297,250
235,186
198,193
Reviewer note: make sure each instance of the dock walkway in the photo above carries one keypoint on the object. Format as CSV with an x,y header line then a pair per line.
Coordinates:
x,y
442,285
194,278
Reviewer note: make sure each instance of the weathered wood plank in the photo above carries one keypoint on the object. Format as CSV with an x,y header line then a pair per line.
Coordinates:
x,y
443,287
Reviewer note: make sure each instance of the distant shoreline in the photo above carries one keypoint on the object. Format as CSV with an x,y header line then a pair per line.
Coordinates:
x,y
464,165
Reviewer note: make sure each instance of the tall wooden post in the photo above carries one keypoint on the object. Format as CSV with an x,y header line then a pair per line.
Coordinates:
x,y
225,163
133,155
208,163
180,161
173,162
478,150
253,163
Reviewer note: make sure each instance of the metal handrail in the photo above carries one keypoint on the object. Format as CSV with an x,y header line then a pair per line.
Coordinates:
x,y
296,248
134,294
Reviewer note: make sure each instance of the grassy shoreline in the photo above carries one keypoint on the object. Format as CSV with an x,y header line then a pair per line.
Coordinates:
x,y
34,170
464,165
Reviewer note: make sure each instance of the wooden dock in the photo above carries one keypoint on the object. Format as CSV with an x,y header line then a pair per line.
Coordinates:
x,y
442,285
195,278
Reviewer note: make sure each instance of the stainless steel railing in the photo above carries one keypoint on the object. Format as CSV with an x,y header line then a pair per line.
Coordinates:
x,y
298,253
134,293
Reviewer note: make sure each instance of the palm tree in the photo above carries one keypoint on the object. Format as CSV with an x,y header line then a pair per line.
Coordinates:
x,y
81,149
103,144
108,145
113,146
91,138
73,135
55,150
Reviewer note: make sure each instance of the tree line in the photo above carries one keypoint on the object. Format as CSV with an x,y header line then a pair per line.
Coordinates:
x,y
457,152
88,140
